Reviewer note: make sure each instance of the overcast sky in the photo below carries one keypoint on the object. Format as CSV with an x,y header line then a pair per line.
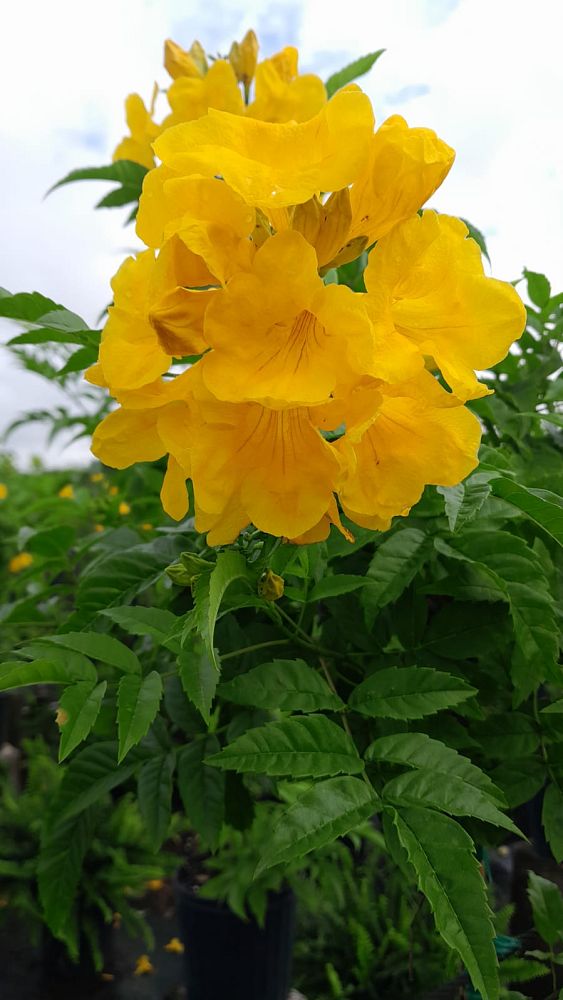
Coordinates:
x,y
487,75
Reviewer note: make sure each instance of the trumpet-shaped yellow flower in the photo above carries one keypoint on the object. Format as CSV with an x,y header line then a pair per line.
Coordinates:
x,y
211,219
67,492
157,314
417,435
276,165
427,278
281,94
243,57
20,562
179,62
190,97
143,131
282,337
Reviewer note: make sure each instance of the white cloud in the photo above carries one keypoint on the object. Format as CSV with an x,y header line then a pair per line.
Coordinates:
x,y
486,75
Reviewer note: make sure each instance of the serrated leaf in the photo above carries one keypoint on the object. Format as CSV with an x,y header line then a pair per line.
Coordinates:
x,y
464,501
552,819
16,673
422,752
520,779
137,620
27,306
521,970
59,868
334,586
79,706
100,647
202,788
137,704
408,693
442,855
209,589
328,810
127,173
90,775
351,72
448,793
541,506
287,685
307,746
180,709
539,288
199,676
154,788
460,630
51,542
547,907
396,562
507,736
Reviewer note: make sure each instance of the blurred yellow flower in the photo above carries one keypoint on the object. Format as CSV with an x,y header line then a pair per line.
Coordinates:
x,y
97,477
124,508
174,946
67,492
3,491
99,527
113,491
154,884
243,57
146,526
180,62
143,966
20,562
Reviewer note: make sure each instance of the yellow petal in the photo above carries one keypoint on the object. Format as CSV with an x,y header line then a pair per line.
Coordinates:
x,y
191,97
405,167
432,279
281,95
280,336
127,436
178,62
276,165
243,56
174,495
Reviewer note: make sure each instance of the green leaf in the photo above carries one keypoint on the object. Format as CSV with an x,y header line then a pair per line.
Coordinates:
x,y
520,779
464,501
136,620
334,586
202,788
155,797
408,693
521,970
90,775
396,562
287,685
461,630
137,704
477,235
27,306
15,673
308,746
547,907
209,590
448,793
506,736
180,709
59,868
79,706
51,542
128,174
328,810
552,819
100,647
199,676
351,72
420,751
556,707
539,288
442,855
541,506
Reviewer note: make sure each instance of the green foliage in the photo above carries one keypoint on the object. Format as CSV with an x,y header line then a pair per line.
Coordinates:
x,y
351,72
127,174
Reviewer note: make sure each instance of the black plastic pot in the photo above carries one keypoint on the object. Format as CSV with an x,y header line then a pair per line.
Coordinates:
x,y
226,957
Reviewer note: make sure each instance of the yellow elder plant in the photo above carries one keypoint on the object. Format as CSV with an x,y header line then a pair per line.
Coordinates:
x,y
305,349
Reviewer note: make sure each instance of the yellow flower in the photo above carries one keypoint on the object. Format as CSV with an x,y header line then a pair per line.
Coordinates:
x,y
20,562
124,509
154,884
146,526
143,131
417,435
113,490
276,165
143,966
3,491
99,527
190,97
97,477
242,57
174,946
67,492
208,216
178,62
281,94
427,279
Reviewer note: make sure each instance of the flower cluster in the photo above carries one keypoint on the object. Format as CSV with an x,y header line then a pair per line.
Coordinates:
x,y
283,395
281,94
